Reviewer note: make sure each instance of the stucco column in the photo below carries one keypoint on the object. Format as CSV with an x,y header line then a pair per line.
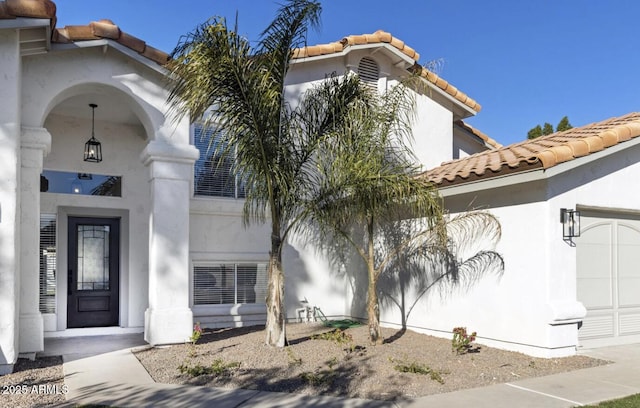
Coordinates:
x,y
168,318
35,143
9,197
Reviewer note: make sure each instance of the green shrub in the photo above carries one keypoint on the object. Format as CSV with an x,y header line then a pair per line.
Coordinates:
x,y
218,368
318,378
415,368
293,360
337,335
461,342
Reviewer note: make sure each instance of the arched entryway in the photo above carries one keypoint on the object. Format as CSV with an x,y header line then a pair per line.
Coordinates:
x,y
94,215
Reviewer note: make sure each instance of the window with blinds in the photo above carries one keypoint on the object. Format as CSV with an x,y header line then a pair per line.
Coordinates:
x,y
213,176
229,284
369,72
47,263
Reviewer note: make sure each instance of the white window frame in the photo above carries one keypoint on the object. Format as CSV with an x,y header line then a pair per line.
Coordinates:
x,y
212,188
47,276
259,287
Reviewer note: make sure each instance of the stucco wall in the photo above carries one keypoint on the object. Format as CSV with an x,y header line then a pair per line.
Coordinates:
x,y
432,132
433,122
531,307
465,144
218,234
9,202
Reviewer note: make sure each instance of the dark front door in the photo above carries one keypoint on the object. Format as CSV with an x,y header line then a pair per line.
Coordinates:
x,y
94,271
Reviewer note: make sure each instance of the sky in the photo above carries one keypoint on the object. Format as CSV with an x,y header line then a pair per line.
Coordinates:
x,y
526,62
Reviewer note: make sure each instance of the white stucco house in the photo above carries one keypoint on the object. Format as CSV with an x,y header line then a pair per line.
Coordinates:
x,y
150,239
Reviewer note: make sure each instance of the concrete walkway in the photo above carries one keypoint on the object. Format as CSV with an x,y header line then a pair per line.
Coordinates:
x,y
102,370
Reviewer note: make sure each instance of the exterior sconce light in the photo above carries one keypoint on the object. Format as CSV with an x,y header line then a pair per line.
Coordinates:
x,y
570,220
76,187
93,148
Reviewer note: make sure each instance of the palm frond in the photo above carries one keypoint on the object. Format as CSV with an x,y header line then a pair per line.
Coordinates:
x,y
287,32
472,232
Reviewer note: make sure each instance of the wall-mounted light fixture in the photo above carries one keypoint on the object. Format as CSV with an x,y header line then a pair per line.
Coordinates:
x,y
76,187
570,220
93,148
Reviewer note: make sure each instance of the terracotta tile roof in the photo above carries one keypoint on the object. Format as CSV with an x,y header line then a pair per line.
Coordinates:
x,y
543,152
96,30
380,37
10,9
107,29
337,46
487,140
448,88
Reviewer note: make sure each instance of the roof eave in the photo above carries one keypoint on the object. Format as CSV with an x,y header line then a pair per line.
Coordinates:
x,y
24,22
492,182
34,34
401,60
527,176
461,110
115,45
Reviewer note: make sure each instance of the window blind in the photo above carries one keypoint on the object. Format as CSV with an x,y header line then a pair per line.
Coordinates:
x,y
229,284
48,263
213,175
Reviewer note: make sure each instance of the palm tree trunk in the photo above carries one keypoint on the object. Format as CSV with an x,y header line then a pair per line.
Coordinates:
x,y
275,327
373,309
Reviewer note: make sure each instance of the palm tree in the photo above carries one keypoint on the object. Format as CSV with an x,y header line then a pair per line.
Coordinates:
x,y
368,184
217,77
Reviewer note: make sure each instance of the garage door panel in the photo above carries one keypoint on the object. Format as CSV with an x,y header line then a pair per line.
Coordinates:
x,y
628,234
628,265
629,324
594,283
629,292
597,327
608,277
595,293
596,234
594,253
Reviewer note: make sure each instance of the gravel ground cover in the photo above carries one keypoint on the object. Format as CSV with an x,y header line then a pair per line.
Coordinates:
x,y
318,361
38,383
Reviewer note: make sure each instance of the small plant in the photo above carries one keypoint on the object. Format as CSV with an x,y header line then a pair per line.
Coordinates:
x,y
194,371
218,368
415,368
293,360
197,333
337,335
461,342
332,362
318,378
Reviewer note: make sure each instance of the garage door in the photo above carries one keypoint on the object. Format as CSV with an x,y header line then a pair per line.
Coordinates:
x,y
608,273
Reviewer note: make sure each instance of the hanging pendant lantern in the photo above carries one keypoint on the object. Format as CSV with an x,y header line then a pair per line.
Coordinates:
x,y
93,148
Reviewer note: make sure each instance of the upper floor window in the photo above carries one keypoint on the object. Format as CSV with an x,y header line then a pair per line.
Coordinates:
x,y
212,173
369,72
